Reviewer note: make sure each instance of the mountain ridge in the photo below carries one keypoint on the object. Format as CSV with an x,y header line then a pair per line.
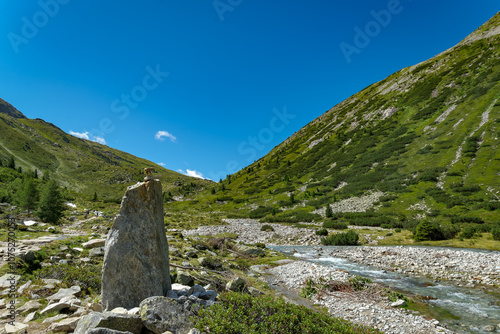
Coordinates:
x,y
426,136
79,164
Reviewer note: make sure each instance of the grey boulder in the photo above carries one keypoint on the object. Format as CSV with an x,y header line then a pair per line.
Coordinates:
x,y
160,314
136,264
114,321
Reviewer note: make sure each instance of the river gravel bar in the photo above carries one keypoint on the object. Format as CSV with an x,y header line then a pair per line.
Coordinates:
x,y
359,307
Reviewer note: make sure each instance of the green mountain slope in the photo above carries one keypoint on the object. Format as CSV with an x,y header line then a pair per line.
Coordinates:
x,y
79,164
424,142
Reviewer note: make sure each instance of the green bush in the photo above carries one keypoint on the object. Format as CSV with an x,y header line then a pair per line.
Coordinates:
x,y
427,230
335,225
260,212
323,232
349,238
466,219
267,228
241,313
495,232
468,232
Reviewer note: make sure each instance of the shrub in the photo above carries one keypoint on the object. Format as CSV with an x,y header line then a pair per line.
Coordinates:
x,y
322,231
241,313
468,232
260,212
495,232
466,219
211,263
349,238
335,225
426,230
267,228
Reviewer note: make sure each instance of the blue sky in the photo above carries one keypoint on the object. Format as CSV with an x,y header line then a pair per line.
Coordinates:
x,y
207,87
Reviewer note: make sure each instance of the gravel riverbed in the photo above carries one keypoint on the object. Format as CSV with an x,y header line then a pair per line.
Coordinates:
x,y
461,266
360,307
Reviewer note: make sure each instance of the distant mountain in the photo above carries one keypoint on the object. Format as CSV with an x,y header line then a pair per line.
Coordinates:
x,y
7,108
427,137
79,164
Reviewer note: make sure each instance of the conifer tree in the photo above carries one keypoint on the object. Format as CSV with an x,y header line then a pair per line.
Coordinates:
x,y
51,203
94,198
328,211
12,162
1,163
28,195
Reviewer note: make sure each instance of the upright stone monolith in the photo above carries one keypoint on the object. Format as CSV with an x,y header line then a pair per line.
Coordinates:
x,y
136,264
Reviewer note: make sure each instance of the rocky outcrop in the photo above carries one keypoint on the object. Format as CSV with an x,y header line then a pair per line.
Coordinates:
x,y
136,264
119,322
162,314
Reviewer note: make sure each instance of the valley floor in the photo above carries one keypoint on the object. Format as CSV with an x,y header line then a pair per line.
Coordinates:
x,y
462,267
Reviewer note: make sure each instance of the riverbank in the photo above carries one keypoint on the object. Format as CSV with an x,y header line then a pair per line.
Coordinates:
x,y
462,267
367,307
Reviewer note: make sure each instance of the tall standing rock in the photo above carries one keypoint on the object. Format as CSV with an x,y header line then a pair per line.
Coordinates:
x,y
136,264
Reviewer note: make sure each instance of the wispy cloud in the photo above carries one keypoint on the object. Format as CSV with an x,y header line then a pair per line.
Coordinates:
x,y
88,136
192,173
162,164
161,135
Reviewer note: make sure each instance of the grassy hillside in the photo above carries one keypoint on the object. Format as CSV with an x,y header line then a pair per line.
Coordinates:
x,y
81,165
424,142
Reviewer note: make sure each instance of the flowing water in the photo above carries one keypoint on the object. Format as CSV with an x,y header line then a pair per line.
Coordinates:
x,y
474,308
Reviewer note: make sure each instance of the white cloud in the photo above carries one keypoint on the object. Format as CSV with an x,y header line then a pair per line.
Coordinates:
x,y
192,173
86,135
162,164
100,140
161,135
83,135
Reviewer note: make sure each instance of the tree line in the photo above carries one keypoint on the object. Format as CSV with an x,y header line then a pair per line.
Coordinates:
x,y
36,195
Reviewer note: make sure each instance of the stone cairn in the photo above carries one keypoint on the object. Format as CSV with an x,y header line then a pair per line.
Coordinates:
x,y
137,294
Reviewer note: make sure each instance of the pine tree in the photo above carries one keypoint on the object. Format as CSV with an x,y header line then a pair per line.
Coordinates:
x,y
35,174
51,203
212,191
28,195
94,198
12,162
1,163
328,211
